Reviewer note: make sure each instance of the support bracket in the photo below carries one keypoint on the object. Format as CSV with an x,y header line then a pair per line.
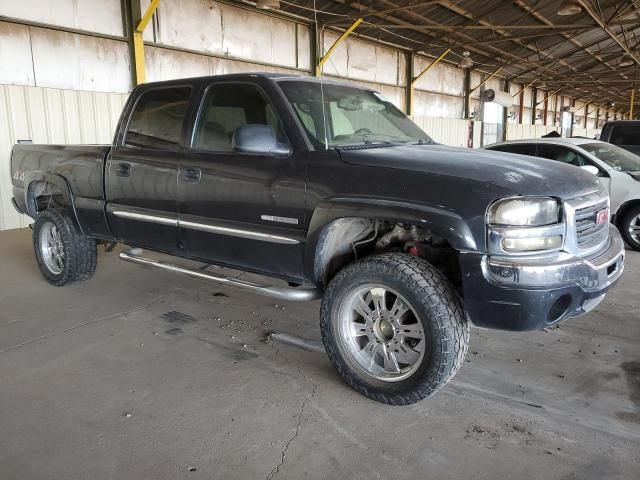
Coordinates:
x,y
415,79
326,56
486,80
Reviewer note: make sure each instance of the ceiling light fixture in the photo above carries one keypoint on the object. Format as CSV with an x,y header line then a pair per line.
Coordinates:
x,y
627,62
268,4
465,61
569,7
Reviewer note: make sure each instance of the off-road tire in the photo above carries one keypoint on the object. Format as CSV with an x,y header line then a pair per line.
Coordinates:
x,y
437,307
624,228
80,252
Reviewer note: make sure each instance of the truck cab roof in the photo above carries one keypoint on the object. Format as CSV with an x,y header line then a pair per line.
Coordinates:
x,y
252,76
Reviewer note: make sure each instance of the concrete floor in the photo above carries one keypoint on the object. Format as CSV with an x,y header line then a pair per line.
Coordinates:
x,y
142,374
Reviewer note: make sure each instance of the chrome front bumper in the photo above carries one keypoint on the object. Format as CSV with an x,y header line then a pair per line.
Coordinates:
x,y
592,274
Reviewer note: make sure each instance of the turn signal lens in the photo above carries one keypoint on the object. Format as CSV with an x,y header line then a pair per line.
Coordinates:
x,y
531,244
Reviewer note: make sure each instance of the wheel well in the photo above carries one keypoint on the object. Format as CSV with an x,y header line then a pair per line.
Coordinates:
x,y
42,195
347,239
622,211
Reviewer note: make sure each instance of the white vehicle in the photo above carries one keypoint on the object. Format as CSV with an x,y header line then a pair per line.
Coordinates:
x,y
617,169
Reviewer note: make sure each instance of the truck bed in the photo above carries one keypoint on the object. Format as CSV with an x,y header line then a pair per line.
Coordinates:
x,y
78,169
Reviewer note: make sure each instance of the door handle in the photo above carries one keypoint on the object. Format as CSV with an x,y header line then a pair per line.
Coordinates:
x,y
123,170
190,175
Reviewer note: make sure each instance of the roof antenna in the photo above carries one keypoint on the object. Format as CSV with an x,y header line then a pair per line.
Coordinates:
x,y
324,113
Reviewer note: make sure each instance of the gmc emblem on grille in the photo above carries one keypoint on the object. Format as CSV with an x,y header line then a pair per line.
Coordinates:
x,y
602,216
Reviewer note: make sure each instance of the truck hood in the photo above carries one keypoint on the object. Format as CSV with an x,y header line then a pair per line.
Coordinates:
x,y
504,173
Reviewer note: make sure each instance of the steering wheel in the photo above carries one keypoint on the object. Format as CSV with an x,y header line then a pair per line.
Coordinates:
x,y
363,131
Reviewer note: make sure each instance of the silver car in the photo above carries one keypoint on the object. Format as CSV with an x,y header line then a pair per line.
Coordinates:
x,y
617,169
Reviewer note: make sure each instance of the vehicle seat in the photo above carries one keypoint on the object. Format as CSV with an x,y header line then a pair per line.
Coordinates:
x,y
213,137
569,157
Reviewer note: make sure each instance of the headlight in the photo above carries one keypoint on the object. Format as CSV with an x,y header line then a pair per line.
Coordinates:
x,y
525,225
524,212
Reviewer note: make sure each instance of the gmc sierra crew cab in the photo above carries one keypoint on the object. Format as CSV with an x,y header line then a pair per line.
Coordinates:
x,y
331,189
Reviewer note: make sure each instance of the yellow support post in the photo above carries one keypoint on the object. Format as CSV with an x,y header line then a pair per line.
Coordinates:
x,y
419,76
138,54
138,42
326,56
486,80
633,98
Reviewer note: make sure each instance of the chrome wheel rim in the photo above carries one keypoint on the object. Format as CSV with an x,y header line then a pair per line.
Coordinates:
x,y
52,248
381,333
634,228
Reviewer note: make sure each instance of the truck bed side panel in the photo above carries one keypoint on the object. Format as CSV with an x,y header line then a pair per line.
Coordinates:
x,y
78,167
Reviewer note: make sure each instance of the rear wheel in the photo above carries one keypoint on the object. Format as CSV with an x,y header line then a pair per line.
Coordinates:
x,y
630,228
64,255
394,328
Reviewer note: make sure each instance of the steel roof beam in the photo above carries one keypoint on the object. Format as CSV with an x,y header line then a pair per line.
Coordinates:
x,y
587,7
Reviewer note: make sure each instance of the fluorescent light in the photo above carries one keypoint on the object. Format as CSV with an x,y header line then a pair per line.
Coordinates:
x,y
569,7
268,4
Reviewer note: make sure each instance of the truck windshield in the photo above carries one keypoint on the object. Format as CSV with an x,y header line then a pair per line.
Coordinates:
x,y
616,157
343,115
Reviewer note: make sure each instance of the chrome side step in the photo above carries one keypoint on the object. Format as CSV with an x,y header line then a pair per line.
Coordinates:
x,y
281,293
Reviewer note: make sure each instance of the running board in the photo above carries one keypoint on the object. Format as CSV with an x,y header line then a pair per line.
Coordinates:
x,y
281,293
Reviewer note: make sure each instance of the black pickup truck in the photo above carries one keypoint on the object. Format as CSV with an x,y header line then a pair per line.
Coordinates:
x,y
623,133
331,189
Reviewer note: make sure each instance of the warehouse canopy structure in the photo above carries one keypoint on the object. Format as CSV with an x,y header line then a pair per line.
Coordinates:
x,y
588,50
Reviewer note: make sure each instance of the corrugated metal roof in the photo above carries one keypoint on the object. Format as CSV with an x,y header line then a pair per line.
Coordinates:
x,y
581,53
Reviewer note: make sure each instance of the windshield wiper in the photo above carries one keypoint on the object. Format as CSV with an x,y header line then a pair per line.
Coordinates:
x,y
365,145
375,141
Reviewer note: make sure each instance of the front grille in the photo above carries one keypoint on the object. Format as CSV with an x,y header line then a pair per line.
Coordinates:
x,y
589,233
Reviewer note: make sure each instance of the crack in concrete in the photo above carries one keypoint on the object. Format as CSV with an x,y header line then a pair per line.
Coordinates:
x,y
90,322
283,453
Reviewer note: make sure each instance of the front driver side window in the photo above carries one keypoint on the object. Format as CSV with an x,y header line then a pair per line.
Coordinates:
x,y
227,107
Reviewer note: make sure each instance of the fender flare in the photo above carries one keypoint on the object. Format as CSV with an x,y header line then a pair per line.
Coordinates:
x,y
449,225
60,182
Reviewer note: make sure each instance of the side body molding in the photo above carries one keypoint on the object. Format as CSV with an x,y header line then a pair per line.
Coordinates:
x,y
449,225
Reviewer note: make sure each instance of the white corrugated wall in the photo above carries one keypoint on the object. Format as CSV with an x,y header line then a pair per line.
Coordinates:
x,y
586,132
523,132
449,131
48,115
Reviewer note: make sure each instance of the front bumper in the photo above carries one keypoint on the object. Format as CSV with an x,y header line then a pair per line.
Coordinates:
x,y
532,293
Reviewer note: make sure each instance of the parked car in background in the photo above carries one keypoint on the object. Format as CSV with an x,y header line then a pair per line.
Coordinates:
x,y
617,169
623,133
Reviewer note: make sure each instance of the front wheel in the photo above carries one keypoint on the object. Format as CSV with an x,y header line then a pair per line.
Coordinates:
x,y
630,228
64,255
394,328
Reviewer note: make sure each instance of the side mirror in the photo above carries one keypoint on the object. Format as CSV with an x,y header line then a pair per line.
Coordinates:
x,y
258,139
591,169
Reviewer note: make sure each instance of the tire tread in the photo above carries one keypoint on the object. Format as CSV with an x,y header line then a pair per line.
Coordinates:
x,y
624,227
81,253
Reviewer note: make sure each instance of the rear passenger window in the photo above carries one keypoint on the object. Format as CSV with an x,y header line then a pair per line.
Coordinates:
x,y
227,107
519,148
158,119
